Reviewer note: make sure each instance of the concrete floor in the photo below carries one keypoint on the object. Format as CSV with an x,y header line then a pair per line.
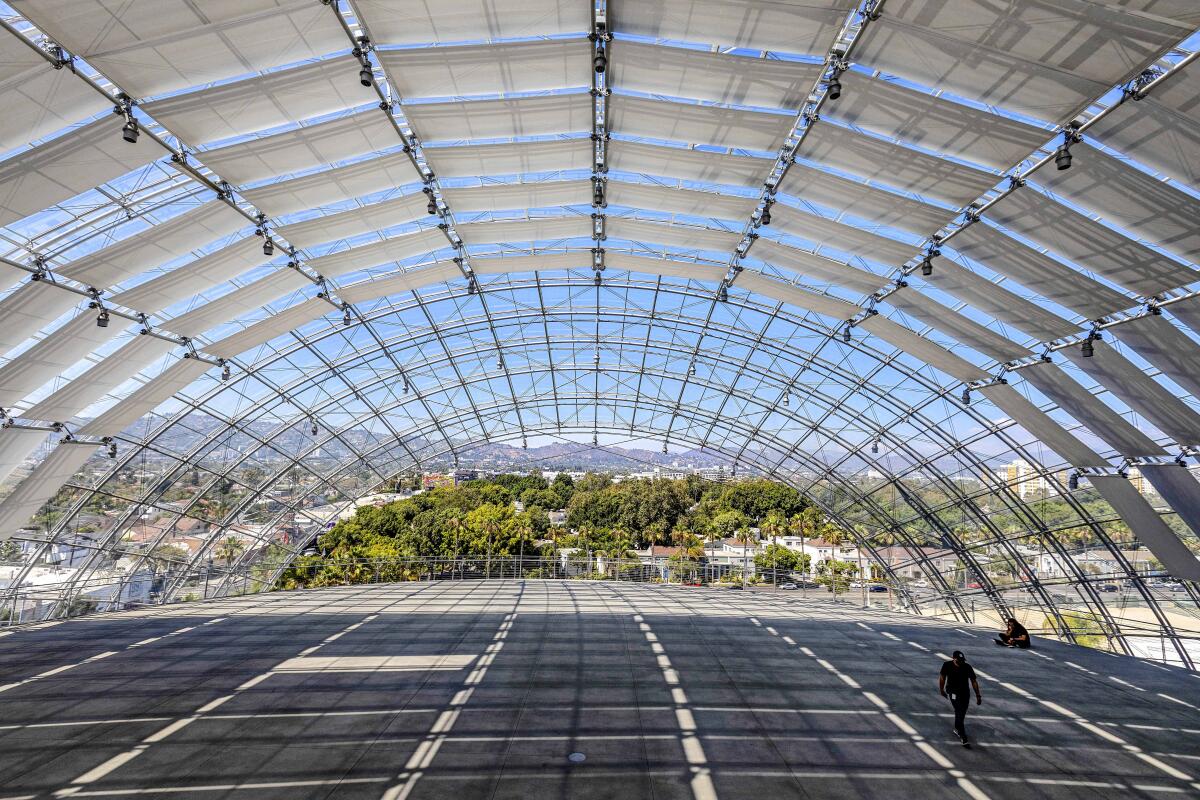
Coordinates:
x,y
486,689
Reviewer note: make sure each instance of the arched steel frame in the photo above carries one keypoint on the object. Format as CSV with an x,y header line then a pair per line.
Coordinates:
x,y
830,407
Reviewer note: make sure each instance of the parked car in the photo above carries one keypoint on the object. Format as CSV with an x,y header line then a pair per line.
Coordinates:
x,y
1108,587
877,587
788,586
737,586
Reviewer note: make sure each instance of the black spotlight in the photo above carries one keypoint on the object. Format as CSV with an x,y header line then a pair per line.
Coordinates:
x,y
766,215
365,76
1087,350
268,247
129,131
927,265
1073,481
966,396
875,447
835,89
313,429
1062,156
346,318
846,335
225,372
102,318
600,63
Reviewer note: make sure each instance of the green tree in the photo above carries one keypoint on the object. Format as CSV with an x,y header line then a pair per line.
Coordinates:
x,y
836,575
10,552
776,558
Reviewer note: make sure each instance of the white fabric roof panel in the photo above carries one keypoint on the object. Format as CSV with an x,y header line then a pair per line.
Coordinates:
x,y
1165,346
526,230
684,236
517,196
41,485
1067,51
688,165
691,123
1041,425
163,242
819,268
275,325
334,185
404,282
686,202
999,302
230,306
497,119
71,164
895,165
53,355
146,398
863,201
960,328
1162,130
38,99
153,46
798,26
932,354
405,22
1187,311
540,262
16,445
1139,391
1037,272
500,68
1130,199
1148,526
262,102
375,254
943,126
705,75
1089,244
192,278
1090,411
836,235
665,266
101,379
29,308
356,221
514,158
302,148
1178,486
795,296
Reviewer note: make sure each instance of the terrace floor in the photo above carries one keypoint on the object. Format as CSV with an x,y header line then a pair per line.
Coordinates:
x,y
544,689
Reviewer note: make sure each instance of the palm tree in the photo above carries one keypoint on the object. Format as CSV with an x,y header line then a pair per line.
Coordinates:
x,y
230,548
454,525
491,527
772,526
744,535
524,530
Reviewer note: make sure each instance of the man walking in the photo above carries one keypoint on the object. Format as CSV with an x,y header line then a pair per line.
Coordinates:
x,y
956,681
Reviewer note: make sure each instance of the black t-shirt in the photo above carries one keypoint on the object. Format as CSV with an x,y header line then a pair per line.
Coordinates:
x,y
1017,632
958,678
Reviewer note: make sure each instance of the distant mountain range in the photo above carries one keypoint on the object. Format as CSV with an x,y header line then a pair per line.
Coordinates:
x,y
559,456
575,456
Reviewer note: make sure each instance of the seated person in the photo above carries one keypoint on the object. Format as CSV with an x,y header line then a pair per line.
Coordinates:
x,y
1014,636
